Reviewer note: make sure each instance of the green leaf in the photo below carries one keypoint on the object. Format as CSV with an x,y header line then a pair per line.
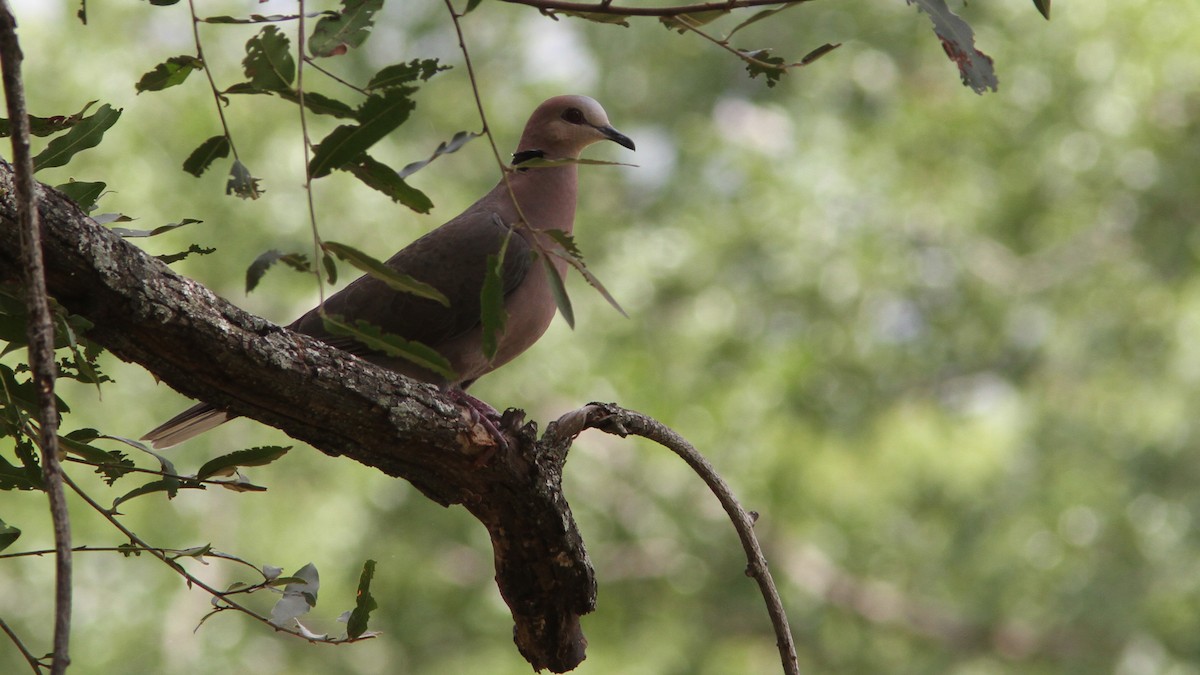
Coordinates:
x,y
9,534
559,291
682,22
759,16
168,485
196,552
572,255
208,152
169,73
298,597
268,64
241,484
400,74
760,62
364,603
394,279
167,466
331,273
541,162
241,182
392,345
28,477
83,194
262,263
22,395
471,5
163,3
819,52
599,17
111,464
378,116
226,465
194,249
47,126
86,134
444,148
333,36
76,443
1043,6
263,18
491,311
127,233
319,104
379,176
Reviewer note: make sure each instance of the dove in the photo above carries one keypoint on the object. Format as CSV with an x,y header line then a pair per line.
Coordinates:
x,y
523,207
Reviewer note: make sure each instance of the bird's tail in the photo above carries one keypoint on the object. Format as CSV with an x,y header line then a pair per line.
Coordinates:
x,y
191,422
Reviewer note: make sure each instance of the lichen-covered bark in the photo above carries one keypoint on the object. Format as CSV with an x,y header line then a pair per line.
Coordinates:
x,y
210,350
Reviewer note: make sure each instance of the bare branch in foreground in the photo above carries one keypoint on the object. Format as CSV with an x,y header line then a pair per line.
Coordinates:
x,y
610,418
40,331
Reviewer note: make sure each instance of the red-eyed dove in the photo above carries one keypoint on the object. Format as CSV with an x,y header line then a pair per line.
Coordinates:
x,y
453,260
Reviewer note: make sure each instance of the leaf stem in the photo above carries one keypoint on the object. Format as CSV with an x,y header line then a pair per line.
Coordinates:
x,y
328,74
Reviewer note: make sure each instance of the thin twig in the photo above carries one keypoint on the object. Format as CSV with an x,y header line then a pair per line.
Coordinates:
x,y
327,73
487,130
312,212
625,10
688,24
211,82
40,331
200,482
613,419
192,579
179,553
29,657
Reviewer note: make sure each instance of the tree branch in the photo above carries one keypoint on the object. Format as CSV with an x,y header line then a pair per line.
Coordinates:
x,y
208,349
40,330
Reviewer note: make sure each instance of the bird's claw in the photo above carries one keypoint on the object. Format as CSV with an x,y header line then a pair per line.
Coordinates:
x,y
487,417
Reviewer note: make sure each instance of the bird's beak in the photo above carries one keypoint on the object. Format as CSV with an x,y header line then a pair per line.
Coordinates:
x,y
614,135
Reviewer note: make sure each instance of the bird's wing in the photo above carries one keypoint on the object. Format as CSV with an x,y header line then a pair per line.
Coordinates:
x,y
452,259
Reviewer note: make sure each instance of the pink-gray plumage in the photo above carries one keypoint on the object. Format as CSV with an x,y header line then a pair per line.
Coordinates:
x,y
453,259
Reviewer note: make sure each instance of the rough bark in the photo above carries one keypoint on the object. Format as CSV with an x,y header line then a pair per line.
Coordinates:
x,y
208,349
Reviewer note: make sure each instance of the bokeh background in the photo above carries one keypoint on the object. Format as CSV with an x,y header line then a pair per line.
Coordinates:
x,y
945,344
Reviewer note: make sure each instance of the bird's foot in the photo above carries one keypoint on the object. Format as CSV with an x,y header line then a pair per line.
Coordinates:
x,y
487,417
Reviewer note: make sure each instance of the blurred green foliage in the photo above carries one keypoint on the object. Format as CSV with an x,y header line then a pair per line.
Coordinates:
x,y
945,344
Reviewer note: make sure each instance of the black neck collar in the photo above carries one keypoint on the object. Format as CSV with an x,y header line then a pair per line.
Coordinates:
x,y
526,155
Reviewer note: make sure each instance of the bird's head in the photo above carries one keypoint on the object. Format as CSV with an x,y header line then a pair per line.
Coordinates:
x,y
563,126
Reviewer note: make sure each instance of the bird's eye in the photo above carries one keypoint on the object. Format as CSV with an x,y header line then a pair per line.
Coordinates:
x,y
573,115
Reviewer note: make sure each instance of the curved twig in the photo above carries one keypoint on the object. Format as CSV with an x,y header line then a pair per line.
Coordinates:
x,y
613,419
40,331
